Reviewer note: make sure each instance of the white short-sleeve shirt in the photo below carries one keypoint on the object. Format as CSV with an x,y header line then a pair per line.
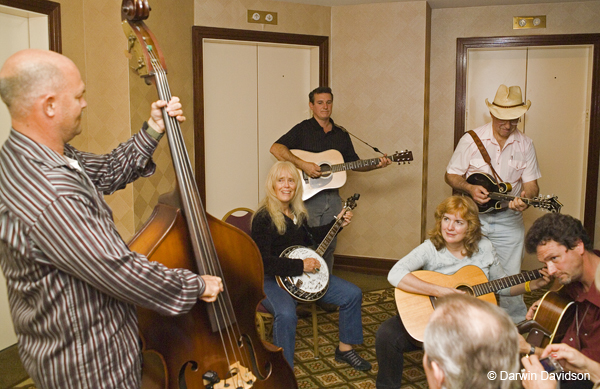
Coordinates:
x,y
516,163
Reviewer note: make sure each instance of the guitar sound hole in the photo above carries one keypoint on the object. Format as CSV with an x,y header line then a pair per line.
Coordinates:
x,y
466,289
325,170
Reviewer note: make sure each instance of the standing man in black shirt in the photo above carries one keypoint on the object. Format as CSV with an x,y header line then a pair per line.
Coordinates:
x,y
316,135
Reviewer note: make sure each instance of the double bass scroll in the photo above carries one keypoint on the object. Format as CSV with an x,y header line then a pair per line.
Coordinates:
x,y
215,345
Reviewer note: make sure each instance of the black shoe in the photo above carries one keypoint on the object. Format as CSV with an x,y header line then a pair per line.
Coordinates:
x,y
353,359
327,307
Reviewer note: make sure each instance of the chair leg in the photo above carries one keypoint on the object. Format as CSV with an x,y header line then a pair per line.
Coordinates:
x,y
315,322
261,327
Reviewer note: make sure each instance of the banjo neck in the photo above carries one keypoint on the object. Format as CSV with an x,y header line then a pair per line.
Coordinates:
x,y
331,234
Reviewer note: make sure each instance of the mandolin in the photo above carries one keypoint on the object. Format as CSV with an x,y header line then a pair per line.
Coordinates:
x,y
498,192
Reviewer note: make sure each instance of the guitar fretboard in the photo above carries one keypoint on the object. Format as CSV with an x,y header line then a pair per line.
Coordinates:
x,y
506,282
340,167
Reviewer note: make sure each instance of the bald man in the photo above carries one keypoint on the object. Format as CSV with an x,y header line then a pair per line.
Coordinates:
x,y
72,282
470,343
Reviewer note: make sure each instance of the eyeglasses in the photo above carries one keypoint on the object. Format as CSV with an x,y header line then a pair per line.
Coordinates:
x,y
513,122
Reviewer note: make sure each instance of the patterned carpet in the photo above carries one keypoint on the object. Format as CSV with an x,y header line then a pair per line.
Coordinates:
x,y
326,372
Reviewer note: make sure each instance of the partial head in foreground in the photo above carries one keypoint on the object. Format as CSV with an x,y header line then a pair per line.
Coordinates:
x,y
466,339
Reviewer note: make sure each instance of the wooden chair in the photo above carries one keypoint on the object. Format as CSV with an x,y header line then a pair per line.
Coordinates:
x,y
242,219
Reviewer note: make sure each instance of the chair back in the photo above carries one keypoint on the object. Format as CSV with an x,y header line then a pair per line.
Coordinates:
x,y
240,218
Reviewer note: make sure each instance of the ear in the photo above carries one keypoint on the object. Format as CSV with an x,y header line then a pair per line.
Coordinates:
x,y
49,105
580,248
438,374
433,371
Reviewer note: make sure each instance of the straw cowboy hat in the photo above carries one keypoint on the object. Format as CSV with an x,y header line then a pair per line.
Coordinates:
x,y
508,103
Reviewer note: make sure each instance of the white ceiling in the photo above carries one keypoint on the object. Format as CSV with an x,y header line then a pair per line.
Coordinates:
x,y
434,3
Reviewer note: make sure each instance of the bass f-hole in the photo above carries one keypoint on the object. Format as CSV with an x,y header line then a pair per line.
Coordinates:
x,y
215,345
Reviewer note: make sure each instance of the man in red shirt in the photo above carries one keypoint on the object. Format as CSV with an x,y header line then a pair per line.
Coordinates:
x,y
563,245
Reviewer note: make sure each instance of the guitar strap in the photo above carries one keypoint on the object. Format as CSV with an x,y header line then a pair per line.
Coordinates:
x,y
484,154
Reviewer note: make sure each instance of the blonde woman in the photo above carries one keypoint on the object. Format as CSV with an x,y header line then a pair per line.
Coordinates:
x,y
281,222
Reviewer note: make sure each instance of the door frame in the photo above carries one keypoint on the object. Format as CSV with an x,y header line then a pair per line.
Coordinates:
x,y
200,33
48,8
593,160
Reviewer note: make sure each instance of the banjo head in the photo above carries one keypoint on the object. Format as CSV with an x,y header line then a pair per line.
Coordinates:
x,y
306,287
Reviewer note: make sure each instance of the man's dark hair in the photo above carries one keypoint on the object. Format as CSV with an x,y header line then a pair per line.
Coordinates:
x,y
563,229
319,90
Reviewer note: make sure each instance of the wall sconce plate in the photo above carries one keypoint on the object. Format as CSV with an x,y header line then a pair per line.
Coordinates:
x,y
521,22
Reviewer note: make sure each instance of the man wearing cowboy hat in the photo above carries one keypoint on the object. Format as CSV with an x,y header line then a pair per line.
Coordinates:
x,y
512,156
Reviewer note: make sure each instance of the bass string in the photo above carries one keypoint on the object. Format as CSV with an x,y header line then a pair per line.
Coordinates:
x,y
198,225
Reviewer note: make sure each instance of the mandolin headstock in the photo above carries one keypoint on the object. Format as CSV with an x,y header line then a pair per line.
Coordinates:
x,y
548,203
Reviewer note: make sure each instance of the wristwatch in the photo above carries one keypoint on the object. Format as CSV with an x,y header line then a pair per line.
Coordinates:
x,y
532,350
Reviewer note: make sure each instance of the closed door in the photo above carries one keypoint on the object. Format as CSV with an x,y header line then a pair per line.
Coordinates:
x,y
19,30
254,93
557,81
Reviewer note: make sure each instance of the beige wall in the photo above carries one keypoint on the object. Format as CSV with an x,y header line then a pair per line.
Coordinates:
x,y
172,27
292,18
378,72
92,37
118,100
370,82
378,78
449,24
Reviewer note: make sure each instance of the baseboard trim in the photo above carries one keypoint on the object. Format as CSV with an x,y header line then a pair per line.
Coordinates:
x,y
11,369
366,265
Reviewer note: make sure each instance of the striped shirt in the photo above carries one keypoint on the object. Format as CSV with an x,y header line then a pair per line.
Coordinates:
x,y
72,282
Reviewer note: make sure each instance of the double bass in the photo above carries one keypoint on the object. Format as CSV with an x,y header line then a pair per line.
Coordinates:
x,y
215,345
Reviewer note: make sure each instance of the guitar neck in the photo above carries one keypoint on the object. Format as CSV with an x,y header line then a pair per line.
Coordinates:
x,y
340,167
330,235
506,282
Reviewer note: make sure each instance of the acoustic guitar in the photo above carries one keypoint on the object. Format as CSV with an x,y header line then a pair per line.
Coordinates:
x,y
415,309
552,318
498,192
331,161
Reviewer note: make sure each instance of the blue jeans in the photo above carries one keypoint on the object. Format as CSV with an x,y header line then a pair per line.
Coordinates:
x,y
506,231
322,208
283,307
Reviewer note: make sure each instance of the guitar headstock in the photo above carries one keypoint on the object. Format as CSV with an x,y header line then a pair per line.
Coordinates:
x,y
401,157
549,203
351,201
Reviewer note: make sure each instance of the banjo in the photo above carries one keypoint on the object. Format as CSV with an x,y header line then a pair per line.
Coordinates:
x,y
311,287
